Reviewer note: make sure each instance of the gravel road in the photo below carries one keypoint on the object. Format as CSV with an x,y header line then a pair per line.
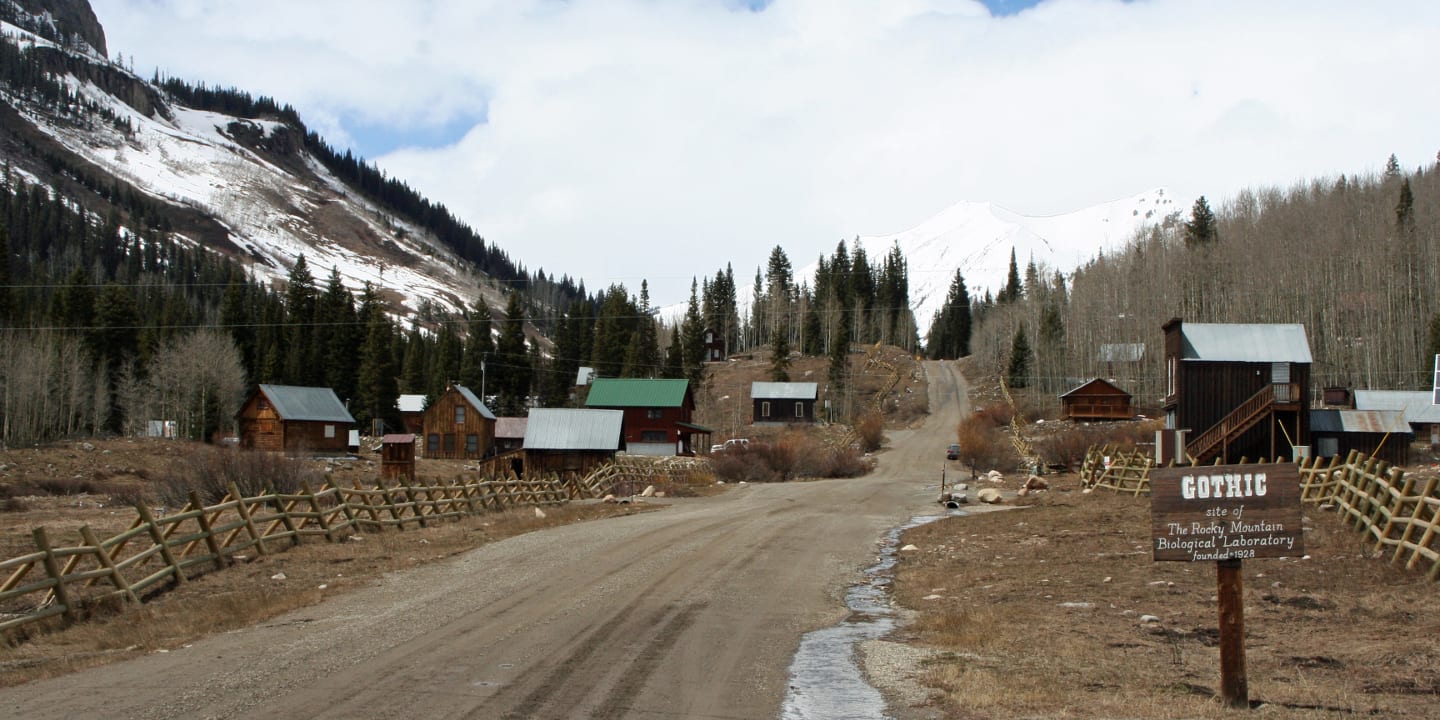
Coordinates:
x,y
691,612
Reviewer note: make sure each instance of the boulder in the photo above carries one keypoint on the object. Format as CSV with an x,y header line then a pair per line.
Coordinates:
x,y
649,491
989,496
539,513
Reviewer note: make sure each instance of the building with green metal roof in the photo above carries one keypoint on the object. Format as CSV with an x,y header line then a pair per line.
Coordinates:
x,y
658,413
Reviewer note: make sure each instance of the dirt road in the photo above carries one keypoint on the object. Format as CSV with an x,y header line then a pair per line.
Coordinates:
x,y
691,612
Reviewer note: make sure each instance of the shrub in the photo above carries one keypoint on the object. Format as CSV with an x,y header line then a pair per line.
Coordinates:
x,y
210,470
983,445
999,414
871,429
13,505
794,454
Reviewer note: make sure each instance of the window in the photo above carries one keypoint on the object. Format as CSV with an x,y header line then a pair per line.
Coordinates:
x,y
654,413
472,443
432,443
654,436
459,414
329,432
799,410
765,409
1171,370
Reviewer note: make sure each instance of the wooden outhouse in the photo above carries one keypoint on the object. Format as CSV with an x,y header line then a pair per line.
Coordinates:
x,y
397,457
561,440
294,420
1097,400
458,426
1241,390
658,413
783,402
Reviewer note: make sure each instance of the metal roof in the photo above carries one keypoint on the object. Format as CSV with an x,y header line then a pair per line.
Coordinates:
x,y
783,390
307,404
510,427
1359,421
1225,342
565,429
411,403
474,402
1121,352
1416,405
636,392
1096,383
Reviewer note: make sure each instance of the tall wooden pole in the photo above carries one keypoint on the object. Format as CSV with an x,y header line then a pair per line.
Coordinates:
x,y
1234,689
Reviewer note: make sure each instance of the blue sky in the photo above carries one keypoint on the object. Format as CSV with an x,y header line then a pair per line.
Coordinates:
x,y
616,140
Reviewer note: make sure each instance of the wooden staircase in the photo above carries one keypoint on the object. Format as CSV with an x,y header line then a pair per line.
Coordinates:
x,y
1211,443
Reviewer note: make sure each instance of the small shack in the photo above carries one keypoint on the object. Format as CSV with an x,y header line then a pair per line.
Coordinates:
x,y
1416,406
559,440
458,426
783,402
294,420
1097,400
509,434
412,413
714,344
1382,434
397,457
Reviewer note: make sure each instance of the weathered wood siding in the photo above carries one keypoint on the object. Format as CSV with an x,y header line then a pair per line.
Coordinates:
x,y
444,438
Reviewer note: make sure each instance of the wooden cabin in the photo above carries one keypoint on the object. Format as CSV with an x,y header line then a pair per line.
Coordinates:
x,y
1382,434
658,413
559,440
412,413
509,434
1097,400
294,420
458,426
714,345
783,402
1241,390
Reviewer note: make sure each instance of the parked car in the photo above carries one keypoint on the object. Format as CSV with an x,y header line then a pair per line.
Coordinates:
x,y
952,452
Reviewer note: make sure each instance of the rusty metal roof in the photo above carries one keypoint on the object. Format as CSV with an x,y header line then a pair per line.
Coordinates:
x,y
1358,421
1237,342
1416,405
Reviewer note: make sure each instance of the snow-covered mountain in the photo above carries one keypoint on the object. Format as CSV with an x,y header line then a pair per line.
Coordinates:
x,y
249,187
976,238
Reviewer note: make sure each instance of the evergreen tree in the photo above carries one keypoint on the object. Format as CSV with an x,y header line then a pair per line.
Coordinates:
x,y
613,327
413,363
950,332
235,316
1017,373
479,346
1013,289
1392,167
1405,209
512,371
674,358
1201,229
642,357
692,340
302,366
376,392
338,337
6,303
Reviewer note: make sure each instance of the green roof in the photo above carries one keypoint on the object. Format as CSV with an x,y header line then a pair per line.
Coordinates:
x,y
636,392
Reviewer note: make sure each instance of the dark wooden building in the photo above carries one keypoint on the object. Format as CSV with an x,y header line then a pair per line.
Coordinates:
x,y
1097,400
1241,391
458,426
715,350
397,457
294,420
658,413
559,440
783,402
1382,434
509,434
412,413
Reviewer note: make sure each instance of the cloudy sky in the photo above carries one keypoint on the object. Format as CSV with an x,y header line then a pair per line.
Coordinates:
x,y
615,140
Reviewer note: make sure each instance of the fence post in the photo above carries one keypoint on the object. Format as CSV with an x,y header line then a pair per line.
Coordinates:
x,y
244,513
284,509
52,568
369,506
162,542
414,504
315,506
1414,519
104,559
343,502
208,533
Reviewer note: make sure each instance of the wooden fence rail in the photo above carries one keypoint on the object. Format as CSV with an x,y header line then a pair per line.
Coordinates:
x,y
64,580
1375,499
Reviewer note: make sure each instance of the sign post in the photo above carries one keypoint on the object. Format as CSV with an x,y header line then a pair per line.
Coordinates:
x,y
1227,513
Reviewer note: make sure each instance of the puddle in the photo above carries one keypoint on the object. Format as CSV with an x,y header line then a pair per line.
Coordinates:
x,y
826,682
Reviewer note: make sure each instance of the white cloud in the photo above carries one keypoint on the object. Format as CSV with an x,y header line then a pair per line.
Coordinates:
x,y
631,138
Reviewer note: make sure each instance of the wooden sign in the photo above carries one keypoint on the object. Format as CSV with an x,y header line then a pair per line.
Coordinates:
x,y
1226,512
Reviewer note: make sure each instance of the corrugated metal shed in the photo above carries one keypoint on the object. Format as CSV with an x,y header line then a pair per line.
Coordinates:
x,y
1416,405
307,404
636,392
565,429
783,390
475,402
1225,342
411,403
510,427
1121,352
1358,421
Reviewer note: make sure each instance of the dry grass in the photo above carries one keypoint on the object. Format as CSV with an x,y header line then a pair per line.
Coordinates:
x,y
1039,616
248,593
